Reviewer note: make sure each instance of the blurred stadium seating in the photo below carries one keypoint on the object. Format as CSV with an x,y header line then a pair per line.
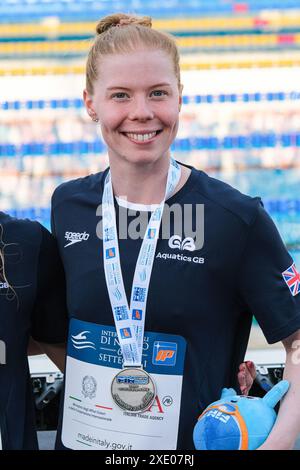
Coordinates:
x,y
240,120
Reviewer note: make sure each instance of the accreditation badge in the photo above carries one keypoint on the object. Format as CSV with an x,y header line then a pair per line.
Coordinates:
x,y
108,407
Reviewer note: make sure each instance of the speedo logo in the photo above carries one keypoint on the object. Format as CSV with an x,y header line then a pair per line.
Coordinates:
x,y
76,237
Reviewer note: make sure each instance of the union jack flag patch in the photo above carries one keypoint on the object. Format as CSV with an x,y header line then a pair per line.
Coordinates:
x,y
292,279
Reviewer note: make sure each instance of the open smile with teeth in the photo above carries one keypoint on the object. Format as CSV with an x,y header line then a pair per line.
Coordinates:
x,y
141,137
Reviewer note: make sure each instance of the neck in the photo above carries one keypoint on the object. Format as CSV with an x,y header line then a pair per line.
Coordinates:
x,y
141,184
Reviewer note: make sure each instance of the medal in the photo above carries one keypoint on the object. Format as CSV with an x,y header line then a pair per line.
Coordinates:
x,y
133,390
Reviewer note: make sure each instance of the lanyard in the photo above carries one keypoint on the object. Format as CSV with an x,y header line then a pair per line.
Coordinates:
x,y
130,320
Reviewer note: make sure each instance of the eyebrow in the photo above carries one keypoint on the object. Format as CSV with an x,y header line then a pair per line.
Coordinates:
x,y
127,89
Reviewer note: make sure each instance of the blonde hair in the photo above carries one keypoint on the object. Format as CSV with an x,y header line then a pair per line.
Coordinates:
x,y
120,34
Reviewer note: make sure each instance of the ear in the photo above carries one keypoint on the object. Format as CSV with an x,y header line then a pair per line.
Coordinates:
x,y
88,101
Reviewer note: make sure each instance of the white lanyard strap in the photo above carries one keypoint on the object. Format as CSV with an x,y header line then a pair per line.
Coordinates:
x,y
130,321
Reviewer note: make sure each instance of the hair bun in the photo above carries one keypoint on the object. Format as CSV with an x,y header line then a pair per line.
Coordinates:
x,y
120,19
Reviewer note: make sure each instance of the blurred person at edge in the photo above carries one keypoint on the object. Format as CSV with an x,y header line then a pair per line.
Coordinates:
x,y
200,299
33,313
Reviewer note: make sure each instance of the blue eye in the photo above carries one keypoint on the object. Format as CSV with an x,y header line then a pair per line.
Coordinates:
x,y
159,93
120,95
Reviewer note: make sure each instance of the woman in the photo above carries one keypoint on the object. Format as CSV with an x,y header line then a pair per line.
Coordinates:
x,y
31,303
160,319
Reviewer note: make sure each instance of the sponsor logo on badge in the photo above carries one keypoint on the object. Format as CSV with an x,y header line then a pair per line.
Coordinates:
x,y
139,294
121,313
110,253
125,333
164,353
151,233
137,314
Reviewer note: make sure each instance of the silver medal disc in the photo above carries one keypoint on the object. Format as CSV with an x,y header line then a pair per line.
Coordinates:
x,y
133,390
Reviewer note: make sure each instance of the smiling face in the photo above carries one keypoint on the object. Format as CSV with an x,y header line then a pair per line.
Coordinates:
x,y
137,101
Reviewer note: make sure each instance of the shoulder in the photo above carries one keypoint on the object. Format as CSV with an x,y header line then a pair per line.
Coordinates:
x,y
228,199
77,186
20,230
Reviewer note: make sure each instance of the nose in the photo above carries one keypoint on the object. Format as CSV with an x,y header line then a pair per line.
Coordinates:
x,y
141,109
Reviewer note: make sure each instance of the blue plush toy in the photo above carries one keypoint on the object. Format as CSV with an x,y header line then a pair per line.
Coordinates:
x,y
238,422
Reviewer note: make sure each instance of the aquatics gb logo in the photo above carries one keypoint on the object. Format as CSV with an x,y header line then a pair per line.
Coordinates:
x,y
176,242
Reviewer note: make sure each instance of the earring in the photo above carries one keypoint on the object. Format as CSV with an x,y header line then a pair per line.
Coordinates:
x,y
93,116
